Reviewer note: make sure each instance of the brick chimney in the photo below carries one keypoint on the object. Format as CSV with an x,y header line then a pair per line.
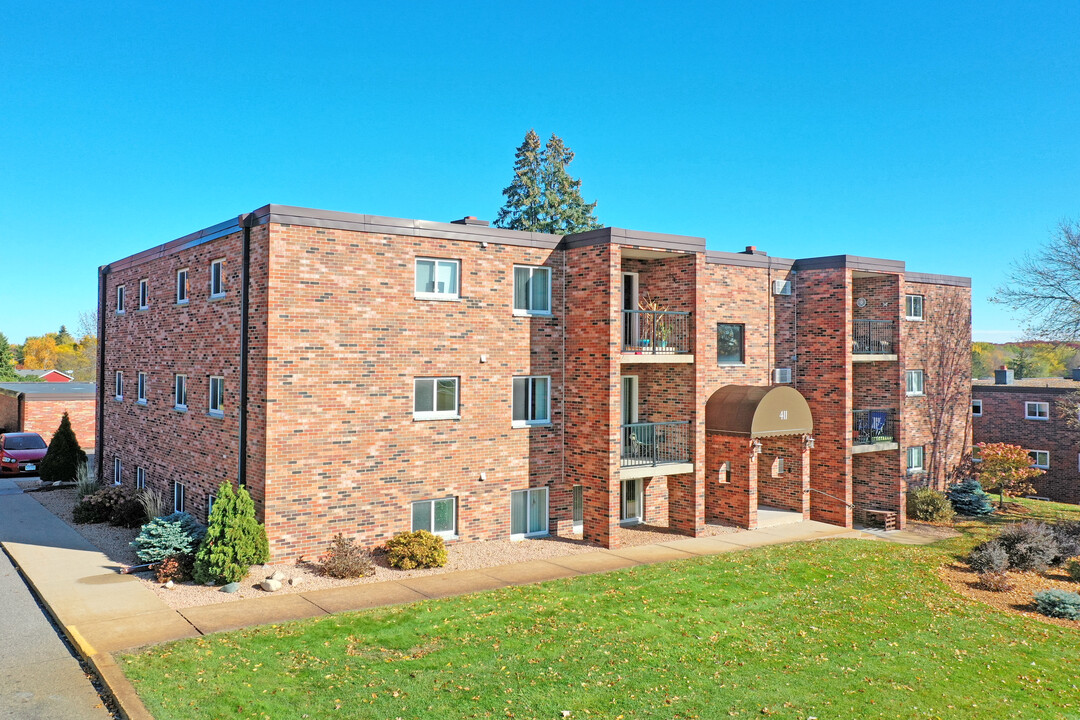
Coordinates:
x,y
752,250
1003,376
470,220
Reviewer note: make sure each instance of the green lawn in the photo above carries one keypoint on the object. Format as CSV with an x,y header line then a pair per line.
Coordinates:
x,y
834,629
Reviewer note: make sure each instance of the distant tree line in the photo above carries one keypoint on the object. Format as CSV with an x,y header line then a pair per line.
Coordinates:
x,y
75,355
1031,359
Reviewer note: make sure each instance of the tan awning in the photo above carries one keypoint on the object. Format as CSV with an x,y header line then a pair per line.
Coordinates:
x,y
754,411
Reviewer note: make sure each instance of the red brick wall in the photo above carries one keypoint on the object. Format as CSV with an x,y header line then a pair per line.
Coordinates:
x,y
788,490
878,483
733,502
43,417
9,413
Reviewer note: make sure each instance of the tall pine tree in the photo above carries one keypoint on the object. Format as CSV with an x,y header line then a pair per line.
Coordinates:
x,y
7,361
543,197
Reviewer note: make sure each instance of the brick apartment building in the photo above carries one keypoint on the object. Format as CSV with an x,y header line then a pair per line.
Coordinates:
x,y
39,407
371,375
1033,413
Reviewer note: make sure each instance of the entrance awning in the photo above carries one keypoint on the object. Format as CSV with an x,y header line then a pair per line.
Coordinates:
x,y
754,411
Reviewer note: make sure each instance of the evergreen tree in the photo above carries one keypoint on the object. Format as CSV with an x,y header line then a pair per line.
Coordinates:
x,y
7,361
63,337
64,456
543,197
234,540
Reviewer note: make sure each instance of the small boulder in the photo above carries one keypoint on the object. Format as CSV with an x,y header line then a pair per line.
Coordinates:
x,y
270,585
170,585
278,575
231,587
294,581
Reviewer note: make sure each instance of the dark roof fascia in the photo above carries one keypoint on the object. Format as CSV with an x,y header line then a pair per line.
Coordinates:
x,y
226,227
635,238
42,391
932,279
1025,389
851,262
717,257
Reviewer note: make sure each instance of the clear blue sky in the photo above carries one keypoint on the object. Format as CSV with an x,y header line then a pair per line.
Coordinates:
x,y
942,134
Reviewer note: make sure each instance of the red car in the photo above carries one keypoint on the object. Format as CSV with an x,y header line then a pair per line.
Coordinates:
x,y
21,452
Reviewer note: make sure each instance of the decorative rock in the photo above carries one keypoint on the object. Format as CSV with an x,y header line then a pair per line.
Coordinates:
x,y
170,585
278,575
270,585
230,588
209,583
294,581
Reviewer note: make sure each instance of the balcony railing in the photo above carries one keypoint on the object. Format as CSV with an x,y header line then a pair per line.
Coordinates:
x,y
875,426
655,443
647,332
873,337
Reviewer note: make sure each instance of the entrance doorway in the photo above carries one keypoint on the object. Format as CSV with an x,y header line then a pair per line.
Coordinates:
x,y
631,319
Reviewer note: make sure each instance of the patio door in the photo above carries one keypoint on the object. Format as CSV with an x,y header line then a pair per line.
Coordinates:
x,y
629,401
631,320
630,507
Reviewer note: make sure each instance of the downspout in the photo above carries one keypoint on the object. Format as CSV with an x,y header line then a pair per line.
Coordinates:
x,y
245,224
562,395
99,452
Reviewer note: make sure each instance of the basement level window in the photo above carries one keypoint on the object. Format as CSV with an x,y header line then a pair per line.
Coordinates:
x,y
140,478
915,458
178,496
118,471
438,517
1037,411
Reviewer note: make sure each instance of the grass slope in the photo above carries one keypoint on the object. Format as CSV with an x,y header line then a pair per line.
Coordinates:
x,y
834,629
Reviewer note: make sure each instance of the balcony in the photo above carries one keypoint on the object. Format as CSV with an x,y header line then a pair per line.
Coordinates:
x,y
874,430
655,449
656,336
873,340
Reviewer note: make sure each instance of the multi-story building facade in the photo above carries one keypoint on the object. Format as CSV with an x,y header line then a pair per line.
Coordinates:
x,y
371,375
1039,415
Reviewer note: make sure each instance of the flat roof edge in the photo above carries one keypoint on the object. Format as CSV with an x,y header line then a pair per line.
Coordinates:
x,y
717,257
933,279
637,238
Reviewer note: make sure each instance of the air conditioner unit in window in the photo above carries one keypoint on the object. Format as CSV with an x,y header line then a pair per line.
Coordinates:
x,y
782,375
781,287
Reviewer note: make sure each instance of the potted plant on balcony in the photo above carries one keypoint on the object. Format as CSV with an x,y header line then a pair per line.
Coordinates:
x,y
658,326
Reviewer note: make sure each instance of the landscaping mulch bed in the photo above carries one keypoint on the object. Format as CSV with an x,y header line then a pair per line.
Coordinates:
x,y
1018,600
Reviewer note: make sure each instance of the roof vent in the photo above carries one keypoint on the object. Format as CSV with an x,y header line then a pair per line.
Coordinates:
x,y
752,250
470,220
1004,376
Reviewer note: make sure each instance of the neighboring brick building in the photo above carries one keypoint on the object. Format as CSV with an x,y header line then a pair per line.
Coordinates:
x,y
374,374
39,406
1033,413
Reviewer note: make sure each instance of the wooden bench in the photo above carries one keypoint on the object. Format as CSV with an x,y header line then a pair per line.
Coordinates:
x,y
884,519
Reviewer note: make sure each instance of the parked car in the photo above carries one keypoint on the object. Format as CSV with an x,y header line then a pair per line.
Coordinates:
x,y
21,452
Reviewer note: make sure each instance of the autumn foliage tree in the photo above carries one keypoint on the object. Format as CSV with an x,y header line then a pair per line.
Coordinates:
x,y
1008,468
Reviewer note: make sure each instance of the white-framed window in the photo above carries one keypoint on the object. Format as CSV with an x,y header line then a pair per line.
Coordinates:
x,y
117,470
180,393
976,408
532,290
178,492
1036,411
915,457
140,387
1040,458
217,278
217,395
577,502
914,381
435,398
438,517
182,286
528,513
437,279
723,475
913,307
119,299
532,401
119,385
209,506
144,293
140,478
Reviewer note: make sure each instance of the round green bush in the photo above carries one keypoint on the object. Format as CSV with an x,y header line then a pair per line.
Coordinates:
x,y
1058,603
929,505
419,549
175,535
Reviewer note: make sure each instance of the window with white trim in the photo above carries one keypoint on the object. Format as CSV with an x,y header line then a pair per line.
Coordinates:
x,y
144,293
217,278
217,395
119,386
532,290
178,493
913,307
180,393
119,299
914,381
528,513
140,388
140,478
577,502
182,286
532,401
117,470
435,398
436,279
438,517
976,408
1040,458
1036,411
915,458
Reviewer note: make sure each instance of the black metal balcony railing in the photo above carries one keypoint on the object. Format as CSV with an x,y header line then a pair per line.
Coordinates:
x,y
873,337
656,333
655,443
875,426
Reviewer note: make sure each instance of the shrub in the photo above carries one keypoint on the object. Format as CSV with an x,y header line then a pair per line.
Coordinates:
x,y
968,498
990,557
346,559
994,582
128,511
64,457
1029,545
153,504
418,549
86,482
174,535
1067,534
175,567
99,506
1058,603
929,505
1073,570
234,541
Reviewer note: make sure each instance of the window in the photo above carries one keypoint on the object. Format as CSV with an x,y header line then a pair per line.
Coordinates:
x,y
437,279
117,470
914,379
729,344
140,478
217,279
1040,458
209,506
915,459
141,388
217,395
528,513
976,408
119,385
578,502
532,290
435,398
178,497
781,287
532,401
913,307
1036,411
180,392
119,299
438,517
724,474
782,376
181,286
144,294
